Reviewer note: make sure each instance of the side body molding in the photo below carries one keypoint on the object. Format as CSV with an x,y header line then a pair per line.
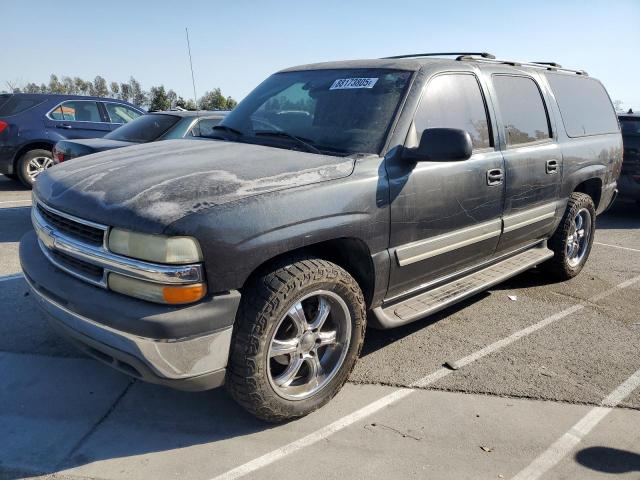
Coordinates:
x,y
432,247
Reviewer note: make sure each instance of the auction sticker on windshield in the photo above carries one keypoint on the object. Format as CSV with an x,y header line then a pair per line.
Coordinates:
x,y
344,83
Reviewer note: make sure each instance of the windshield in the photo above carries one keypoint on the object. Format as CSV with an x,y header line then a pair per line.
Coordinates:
x,y
333,111
145,128
630,127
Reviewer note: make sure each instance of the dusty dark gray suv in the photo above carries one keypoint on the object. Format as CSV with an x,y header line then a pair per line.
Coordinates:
x,y
394,186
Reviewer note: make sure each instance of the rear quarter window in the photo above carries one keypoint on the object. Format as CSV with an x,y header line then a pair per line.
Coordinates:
x,y
584,105
16,104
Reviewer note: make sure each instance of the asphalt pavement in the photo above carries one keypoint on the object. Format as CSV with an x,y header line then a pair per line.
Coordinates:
x,y
544,386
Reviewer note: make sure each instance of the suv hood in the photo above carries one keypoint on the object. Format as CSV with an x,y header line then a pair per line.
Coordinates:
x,y
147,187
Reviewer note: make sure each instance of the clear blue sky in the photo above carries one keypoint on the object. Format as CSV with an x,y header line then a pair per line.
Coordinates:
x,y
236,44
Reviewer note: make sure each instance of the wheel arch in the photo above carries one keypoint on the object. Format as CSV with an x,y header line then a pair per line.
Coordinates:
x,y
350,253
34,145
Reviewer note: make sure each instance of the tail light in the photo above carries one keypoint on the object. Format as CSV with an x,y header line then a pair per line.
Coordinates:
x,y
58,156
3,125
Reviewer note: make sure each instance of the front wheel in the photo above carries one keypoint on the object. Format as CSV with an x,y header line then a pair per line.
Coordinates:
x,y
572,240
298,334
32,164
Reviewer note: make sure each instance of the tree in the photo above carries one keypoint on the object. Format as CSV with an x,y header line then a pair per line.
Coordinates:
x,y
115,89
68,86
54,85
138,96
213,100
100,87
172,97
158,99
231,103
125,92
186,104
80,86
31,88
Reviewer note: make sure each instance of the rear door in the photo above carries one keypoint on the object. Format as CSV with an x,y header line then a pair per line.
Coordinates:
x,y
533,160
446,216
78,119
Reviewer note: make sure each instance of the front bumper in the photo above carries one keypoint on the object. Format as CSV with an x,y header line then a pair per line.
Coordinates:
x,y
194,362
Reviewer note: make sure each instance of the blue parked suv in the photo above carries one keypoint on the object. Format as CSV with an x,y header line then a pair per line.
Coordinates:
x,y
31,124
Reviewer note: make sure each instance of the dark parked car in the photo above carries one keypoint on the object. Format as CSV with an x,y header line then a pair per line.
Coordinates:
x,y
31,124
409,185
152,127
629,182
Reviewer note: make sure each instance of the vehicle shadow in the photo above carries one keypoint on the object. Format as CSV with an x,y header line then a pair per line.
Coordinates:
x,y
15,221
608,460
622,216
9,185
376,339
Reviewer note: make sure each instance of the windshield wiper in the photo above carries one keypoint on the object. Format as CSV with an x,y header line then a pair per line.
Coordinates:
x,y
282,133
228,129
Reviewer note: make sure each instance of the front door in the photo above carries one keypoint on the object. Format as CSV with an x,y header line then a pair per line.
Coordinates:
x,y
445,216
533,161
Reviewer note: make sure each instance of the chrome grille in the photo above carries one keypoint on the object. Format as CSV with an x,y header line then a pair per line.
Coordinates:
x,y
80,266
78,247
73,228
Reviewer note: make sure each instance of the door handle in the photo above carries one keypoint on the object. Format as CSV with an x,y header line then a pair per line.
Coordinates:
x,y
494,176
66,126
551,167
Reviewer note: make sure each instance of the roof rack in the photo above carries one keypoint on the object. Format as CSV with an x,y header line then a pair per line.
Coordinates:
x,y
552,66
479,54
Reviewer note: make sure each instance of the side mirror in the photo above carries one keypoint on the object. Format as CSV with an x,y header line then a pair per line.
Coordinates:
x,y
441,144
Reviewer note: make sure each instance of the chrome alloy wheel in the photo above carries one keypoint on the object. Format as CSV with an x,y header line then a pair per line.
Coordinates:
x,y
309,345
37,165
578,238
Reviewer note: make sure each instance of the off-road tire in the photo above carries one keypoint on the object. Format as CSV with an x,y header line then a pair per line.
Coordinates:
x,y
265,300
558,266
23,162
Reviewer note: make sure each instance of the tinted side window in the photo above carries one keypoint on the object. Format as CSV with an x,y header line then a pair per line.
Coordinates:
x,y
119,113
630,127
584,105
455,101
523,112
77,111
12,105
204,127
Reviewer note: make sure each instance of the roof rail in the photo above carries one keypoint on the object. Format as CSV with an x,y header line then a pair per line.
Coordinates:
x,y
552,66
479,54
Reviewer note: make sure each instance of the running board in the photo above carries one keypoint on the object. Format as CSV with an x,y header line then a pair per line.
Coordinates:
x,y
429,302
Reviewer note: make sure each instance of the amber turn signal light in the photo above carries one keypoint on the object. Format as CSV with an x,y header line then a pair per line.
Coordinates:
x,y
184,294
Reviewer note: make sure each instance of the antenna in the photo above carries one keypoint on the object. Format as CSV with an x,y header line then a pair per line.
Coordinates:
x,y
193,78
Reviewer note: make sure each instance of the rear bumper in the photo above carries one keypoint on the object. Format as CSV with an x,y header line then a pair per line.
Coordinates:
x,y
7,154
193,362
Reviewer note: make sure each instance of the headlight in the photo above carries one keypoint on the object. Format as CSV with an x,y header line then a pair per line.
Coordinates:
x,y
155,292
154,248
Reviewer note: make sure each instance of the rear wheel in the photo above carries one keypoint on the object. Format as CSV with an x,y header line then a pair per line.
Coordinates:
x,y
297,337
571,242
32,164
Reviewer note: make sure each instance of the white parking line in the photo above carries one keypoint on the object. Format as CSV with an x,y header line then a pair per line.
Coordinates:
x,y
617,246
15,201
10,277
387,400
566,443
